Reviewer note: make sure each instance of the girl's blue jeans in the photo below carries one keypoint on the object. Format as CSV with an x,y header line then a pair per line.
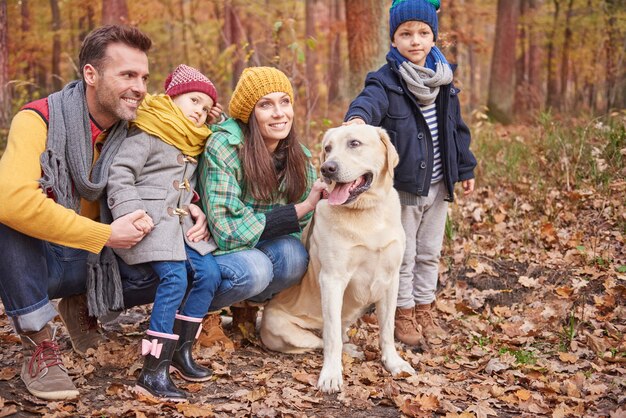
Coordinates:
x,y
199,274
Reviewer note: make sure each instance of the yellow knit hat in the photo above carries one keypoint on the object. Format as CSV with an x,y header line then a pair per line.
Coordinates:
x,y
254,83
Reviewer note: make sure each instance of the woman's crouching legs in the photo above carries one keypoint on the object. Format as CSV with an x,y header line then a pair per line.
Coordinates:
x,y
244,274
289,261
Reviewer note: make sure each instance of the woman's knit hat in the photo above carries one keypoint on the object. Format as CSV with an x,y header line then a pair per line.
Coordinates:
x,y
422,10
185,79
254,83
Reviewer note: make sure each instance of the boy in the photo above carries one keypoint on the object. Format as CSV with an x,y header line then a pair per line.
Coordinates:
x,y
413,98
154,171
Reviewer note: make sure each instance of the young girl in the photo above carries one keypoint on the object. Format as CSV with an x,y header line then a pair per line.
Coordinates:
x,y
154,170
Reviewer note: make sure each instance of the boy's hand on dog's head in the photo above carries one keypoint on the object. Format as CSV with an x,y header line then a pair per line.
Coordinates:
x,y
353,121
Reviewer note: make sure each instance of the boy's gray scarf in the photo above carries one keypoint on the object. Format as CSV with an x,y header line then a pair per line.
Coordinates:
x,y
423,82
68,173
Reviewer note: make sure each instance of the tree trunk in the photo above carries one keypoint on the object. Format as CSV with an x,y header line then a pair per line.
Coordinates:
x,y
29,64
366,46
474,69
184,31
311,83
567,40
86,22
552,100
334,56
614,55
57,81
535,57
521,64
232,37
114,12
453,49
5,91
502,80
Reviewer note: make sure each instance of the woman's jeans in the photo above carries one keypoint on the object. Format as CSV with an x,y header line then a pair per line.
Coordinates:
x,y
33,271
260,273
204,277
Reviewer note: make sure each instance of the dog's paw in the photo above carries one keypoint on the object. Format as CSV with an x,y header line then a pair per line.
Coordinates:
x,y
399,367
330,381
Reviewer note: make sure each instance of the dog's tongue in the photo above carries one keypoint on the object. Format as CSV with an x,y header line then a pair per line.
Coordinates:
x,y
340,194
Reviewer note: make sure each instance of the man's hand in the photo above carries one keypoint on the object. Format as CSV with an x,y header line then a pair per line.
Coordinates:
x,y
200,230
124,233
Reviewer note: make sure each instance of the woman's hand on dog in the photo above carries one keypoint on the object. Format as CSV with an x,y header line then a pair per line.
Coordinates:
x,y
309,204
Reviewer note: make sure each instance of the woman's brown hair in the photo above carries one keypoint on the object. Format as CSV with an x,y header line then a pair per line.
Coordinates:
x,y
264,172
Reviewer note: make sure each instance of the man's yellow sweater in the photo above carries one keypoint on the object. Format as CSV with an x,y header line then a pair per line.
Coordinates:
x,y
26,208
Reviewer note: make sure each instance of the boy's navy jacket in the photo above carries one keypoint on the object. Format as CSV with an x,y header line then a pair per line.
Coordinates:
x,y
386,101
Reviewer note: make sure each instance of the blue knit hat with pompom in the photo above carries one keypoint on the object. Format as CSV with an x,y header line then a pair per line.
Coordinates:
x,y
422,10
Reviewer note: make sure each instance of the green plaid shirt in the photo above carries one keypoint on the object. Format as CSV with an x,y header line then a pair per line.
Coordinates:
x,y
235,219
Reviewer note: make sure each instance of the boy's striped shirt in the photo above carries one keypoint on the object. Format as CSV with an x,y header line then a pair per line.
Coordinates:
x,y
430,114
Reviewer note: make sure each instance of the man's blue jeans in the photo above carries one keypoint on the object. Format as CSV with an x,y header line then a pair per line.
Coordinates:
x,y
32,272
260,273
204,277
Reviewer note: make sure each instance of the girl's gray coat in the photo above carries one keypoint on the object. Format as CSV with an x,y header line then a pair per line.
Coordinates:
x,y
147,174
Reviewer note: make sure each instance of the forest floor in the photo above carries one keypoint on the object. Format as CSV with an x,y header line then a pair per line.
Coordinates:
x,y
532,291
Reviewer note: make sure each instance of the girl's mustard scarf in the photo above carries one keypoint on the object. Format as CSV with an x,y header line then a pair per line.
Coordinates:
x,y
159,116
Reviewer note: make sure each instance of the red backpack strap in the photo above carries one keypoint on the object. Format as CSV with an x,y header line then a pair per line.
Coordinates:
x,y
40,107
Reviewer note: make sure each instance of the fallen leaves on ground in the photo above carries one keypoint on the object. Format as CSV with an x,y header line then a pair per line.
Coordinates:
x,y
532,296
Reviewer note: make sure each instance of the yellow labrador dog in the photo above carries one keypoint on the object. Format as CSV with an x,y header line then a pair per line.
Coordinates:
x,y
356,243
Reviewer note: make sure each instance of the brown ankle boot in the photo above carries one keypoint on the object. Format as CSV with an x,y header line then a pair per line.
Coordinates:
x,y
433,333
43,371
244,321
212,332
406,329
84,330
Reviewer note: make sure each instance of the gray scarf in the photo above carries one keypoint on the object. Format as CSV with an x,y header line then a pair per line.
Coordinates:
x,y
423,82
68,173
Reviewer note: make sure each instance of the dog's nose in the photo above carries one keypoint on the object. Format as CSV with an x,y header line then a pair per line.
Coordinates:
x,y
329,168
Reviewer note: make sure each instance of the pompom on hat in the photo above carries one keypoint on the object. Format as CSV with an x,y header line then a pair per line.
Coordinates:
x,y
421,10
254,83
185,79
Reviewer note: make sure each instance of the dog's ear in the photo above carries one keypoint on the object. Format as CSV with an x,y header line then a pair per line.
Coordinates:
x,y
392,154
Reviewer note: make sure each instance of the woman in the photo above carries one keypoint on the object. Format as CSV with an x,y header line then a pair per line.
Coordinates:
x,y
258,189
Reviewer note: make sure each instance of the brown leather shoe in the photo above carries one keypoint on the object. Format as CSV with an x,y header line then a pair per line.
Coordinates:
x,y
406,329
43,371
432,332
212,332
84,330
244,321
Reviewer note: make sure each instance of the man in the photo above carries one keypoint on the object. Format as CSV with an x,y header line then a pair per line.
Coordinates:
x,y
52,177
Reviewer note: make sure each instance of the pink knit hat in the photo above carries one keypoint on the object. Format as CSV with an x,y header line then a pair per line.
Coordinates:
x,y
185,79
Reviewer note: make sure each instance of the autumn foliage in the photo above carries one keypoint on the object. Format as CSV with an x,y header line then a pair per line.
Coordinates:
x,y
533,273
